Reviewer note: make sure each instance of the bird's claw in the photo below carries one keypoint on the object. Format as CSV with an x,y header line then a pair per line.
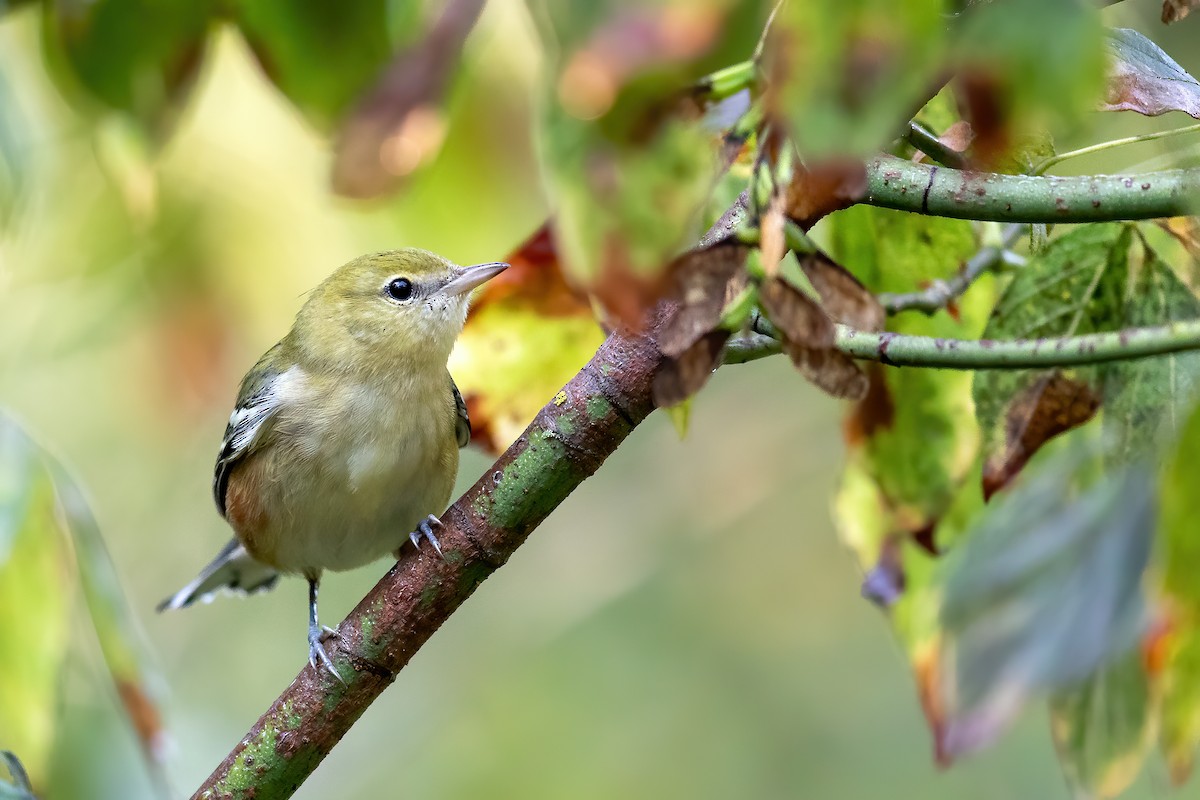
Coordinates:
x,y
316,648
426,531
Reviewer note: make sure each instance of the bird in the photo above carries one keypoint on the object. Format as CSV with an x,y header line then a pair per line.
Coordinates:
x,y
343,442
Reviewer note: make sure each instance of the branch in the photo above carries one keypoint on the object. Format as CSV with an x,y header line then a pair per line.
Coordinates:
x,y
1093,348
939,293
564,444
928,143
901,350
942,192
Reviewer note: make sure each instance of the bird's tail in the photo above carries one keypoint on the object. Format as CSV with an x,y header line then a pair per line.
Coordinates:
x,y
233,569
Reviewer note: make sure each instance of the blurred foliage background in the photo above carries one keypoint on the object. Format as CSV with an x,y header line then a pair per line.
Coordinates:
x,y
685,625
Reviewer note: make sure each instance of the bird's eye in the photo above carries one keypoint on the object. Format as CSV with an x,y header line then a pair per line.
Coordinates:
x,y
400,288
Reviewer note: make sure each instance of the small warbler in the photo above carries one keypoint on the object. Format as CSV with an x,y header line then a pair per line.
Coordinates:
x,y
345,434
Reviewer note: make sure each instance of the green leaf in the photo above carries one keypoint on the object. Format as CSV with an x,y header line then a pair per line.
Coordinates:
x,y
135,56
1144,79
35,600
1147,400
1075,285
627,163
324,56
1043,592
1104,728
850,87
1179,563
918,439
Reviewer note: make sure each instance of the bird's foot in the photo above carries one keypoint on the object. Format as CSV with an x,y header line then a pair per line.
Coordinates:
x,y
426,531
317,634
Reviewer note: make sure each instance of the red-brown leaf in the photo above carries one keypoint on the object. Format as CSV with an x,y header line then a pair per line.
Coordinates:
x,y
1175,10
825,187
1144,79
398,125
702,282
1053,405
842,296
681,377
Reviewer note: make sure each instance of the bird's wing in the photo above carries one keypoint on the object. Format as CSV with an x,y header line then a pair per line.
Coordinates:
x,y
260,396
462,422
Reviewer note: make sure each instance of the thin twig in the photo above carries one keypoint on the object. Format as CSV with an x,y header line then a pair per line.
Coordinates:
x,y
1096,148
928,143
939,293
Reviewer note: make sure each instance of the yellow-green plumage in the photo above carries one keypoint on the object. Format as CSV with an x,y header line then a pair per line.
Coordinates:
x,y
345,435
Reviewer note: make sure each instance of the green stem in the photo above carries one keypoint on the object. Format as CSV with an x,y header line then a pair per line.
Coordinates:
x,y
942,192
1096,148
1094,348
928,143
728,81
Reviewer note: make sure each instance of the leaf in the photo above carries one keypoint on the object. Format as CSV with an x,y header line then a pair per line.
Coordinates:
x,y
843,297
1175,10
1179,557
1104,727
1146,400
627,165
682,376
34,602
843,78
295,44
913,433
808,334
800,319
398,125
134,56
121,643
527,333
1053,404
826,186
1041,594
703,281
1144,79
1023,65
1075,285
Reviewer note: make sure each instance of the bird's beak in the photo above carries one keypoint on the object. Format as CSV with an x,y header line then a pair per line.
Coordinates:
x,y
467,278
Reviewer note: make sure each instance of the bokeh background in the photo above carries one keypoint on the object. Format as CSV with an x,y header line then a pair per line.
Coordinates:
x,y
685,625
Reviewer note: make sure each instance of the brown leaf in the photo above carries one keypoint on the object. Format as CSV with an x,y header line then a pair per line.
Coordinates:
x,y
681,377
702,281
831,371
825,187
874,412
842,296
1144,79
631,43
144,716
1175,10
1053,405
772,246
799,318
982,95
398,125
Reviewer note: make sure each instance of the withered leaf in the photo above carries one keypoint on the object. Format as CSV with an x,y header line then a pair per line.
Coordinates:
x,y
1175,10
843,297
535,277
398,125
703,281
825,187
831,371
681,377
1053,405
1144,79
799,318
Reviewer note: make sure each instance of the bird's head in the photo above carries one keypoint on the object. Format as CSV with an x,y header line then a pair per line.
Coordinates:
x,y
399,306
